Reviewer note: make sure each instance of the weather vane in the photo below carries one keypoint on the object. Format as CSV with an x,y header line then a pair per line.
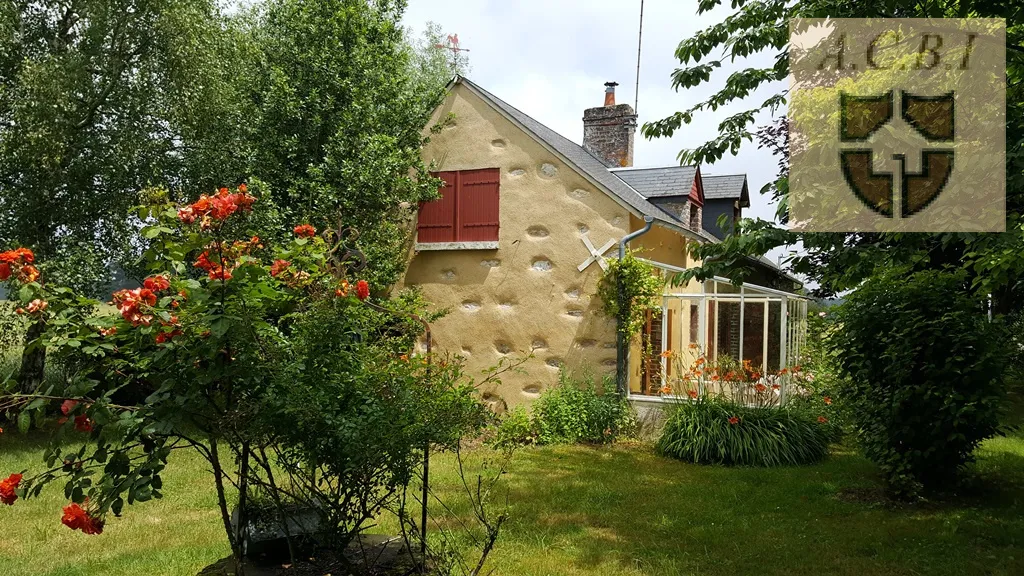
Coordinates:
x,y
453,45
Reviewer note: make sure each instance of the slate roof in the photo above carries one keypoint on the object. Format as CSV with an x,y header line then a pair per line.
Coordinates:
x,y
727,187
587,164
658,182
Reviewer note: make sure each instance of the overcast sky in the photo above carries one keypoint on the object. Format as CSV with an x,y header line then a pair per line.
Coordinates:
x,y
551,58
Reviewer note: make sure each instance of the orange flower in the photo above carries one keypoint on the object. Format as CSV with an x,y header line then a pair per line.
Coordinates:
x,y
7,487
828,400
404,357
775,386
734,420
760,387
157,283
304,231
37,305
108,331
666,389
666,354
76,518
783,372
278,267
822,419
692,394
693,346
28,273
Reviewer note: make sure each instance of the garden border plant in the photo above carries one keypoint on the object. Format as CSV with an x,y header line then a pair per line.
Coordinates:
x,y
269,362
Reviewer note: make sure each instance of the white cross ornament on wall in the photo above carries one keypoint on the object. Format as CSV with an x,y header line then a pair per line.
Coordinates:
x,y
596,255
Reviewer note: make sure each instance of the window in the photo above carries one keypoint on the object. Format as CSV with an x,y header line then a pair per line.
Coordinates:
x,y
466,214
694,217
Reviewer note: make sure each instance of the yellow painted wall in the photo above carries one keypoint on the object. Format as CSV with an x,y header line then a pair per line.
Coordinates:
x,y
527,293
667,247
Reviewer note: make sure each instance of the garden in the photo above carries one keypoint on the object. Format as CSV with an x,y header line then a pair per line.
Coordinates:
x,y
204,369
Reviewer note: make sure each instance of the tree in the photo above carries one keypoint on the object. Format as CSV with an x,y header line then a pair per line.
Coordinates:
x,y
993,262
341,103
98,100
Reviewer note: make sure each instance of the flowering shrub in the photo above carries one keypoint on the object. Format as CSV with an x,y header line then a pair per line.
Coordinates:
x,y
259,357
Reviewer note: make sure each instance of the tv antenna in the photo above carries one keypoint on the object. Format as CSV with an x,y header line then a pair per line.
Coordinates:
x,y
452,44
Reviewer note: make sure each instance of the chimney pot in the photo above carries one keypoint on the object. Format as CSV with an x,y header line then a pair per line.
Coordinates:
x,y
608,130
609,93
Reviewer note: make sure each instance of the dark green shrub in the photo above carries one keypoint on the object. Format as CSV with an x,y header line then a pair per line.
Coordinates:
x,y
922,372
713,430
576,411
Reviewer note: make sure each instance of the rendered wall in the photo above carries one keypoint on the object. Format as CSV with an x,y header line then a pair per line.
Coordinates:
x,y
667,247
527,294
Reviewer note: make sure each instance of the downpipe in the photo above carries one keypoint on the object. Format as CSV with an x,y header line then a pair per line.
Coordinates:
x,y
621,345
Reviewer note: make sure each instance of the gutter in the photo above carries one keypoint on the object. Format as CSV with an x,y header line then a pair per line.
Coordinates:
x,y
621,346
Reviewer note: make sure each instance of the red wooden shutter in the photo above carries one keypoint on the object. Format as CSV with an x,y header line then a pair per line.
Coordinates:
x,y
476,213
437,217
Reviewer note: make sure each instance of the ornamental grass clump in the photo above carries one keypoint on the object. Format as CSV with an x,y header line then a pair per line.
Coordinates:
x,y
717,430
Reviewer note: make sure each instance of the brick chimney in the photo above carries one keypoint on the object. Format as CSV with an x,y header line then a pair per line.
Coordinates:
x,y
608,130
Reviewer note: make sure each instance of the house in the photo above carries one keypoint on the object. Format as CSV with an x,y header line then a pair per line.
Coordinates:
x,y
518,241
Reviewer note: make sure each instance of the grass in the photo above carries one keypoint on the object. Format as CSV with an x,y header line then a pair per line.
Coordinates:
x,y
600,511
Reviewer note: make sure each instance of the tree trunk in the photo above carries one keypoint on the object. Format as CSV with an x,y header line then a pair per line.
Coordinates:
x,y
33,361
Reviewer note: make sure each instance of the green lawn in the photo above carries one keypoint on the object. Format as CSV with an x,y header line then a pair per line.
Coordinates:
x,y
618,510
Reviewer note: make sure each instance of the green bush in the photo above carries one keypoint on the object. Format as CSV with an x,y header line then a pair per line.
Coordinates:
x,y
922,372
714,430
576,411
513,429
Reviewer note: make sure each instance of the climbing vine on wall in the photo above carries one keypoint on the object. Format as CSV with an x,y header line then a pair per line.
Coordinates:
x,y
642,289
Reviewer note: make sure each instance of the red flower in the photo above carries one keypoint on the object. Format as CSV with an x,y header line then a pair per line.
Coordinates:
x,y
760,387
734,420
692,394
220,273
5,271
82,423
7,487
130,302
305,231
279,266
363,289
243,188
157,283
18,256
223,206
203,262
108,331
218,207
76,518
822,419
68,406
162,337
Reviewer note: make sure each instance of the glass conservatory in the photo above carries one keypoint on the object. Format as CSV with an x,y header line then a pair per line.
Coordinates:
x,y
753,327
